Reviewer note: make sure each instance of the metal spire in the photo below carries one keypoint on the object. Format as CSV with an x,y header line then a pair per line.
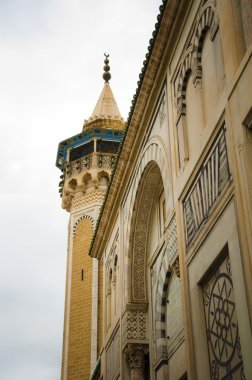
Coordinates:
x,y
106,75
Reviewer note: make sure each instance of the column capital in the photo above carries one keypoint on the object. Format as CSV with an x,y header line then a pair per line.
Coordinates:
x,y
136,354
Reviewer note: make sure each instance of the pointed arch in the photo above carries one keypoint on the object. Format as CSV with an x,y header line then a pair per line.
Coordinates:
x,y
153,160
79,220
204,22
185,72
191,60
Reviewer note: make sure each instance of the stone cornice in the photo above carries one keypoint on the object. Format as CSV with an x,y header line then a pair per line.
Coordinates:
x,y
167,27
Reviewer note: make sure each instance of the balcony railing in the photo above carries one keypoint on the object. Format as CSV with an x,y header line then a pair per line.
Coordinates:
x,y
94,160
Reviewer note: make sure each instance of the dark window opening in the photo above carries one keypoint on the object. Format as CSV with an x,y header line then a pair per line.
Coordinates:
x,y
81,151
103,146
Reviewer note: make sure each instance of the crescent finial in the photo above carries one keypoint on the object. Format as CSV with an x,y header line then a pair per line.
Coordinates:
x,y
106,75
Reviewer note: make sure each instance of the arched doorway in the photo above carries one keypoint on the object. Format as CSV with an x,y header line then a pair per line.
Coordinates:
x,y
146,232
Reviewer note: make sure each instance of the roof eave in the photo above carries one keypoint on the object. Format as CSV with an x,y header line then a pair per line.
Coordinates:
x,y
140,99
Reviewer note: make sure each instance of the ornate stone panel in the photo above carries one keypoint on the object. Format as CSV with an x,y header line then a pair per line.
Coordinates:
x,y
224,348
212,178
134,325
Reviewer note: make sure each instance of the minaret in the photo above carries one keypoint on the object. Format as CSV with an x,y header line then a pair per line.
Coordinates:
x,y
86,161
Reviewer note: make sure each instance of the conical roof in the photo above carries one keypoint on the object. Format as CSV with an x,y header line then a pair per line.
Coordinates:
x,y
106,105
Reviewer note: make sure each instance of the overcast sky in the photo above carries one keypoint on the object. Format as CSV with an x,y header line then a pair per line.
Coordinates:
x,y
50,79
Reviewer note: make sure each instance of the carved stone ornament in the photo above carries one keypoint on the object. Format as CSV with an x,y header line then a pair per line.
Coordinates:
x,y
134,325
135,354
223,338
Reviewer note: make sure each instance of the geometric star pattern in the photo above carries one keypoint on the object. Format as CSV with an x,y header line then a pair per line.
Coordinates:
x,y
224,348
223,327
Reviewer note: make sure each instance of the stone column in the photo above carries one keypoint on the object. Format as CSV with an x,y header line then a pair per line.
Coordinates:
x,y
136,357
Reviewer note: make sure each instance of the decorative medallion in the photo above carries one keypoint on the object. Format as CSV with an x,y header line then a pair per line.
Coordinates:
x,y
222,331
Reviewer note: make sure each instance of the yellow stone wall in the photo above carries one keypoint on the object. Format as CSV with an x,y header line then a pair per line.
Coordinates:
x,y
79,344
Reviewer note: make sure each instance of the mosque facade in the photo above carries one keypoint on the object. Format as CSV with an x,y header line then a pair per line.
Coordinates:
x,y
159,267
